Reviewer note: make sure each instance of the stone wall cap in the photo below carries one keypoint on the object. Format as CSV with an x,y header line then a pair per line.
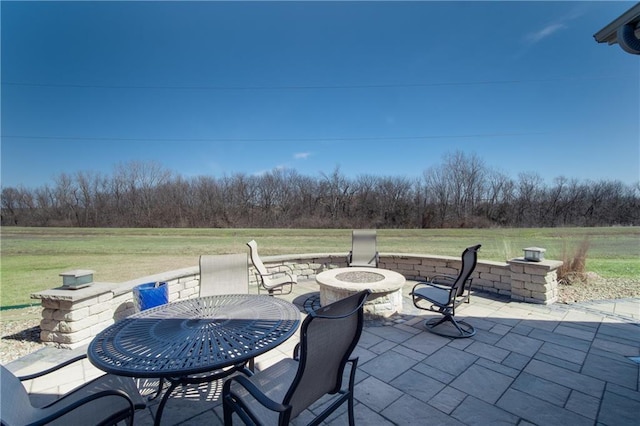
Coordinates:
x,y
65,293
544,264
419,256
127,286
288,257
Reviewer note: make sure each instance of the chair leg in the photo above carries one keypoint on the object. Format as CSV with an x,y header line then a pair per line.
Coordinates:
x,y
467,331
464,329
435,322
227,412
351,386
352,421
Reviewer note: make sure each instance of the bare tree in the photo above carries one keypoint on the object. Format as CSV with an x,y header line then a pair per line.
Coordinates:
x,y
530,186
12,208
240,195
306,201
396,197
91,196
65,201
438,196
365,206
209,203
336,190
461,191
140,181
271,194
465,174
499,198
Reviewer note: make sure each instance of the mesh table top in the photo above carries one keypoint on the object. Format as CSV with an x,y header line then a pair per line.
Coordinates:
x,y
194,336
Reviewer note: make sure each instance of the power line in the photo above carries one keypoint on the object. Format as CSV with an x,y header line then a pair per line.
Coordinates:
x,y
327,139
308,87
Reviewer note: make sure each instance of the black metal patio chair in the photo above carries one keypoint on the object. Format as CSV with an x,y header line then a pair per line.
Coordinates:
x,y
444,293
106,400
281,392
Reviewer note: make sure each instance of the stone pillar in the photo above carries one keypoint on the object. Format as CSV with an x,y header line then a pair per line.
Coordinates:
x,y
70,318
534,282
74,313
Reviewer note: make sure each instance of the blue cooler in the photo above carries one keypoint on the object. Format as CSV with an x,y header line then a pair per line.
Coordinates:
x,y
150,295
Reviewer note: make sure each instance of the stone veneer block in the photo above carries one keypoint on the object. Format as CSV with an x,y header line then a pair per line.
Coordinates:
x,y
66,315
50,304
490,277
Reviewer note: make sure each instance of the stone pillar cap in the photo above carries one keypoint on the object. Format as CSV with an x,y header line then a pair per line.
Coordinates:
x,y
77,273
535,249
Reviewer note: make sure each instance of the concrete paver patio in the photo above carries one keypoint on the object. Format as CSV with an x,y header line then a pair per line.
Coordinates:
x,y
527,364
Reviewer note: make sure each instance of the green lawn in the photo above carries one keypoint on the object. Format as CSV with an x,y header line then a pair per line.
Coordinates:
x,y
33,258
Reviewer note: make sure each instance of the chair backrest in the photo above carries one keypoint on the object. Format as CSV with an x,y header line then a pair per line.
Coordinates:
x,y
255,258
15,405
469,261
364,251
328,336
224,274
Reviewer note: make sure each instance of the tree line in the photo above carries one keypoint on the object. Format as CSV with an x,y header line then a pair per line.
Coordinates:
x,y
459,192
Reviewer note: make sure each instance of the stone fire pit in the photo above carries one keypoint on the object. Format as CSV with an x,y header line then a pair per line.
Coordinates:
x,y
385,285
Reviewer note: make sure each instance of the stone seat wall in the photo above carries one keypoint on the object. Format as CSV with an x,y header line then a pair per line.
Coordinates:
x,y
71,318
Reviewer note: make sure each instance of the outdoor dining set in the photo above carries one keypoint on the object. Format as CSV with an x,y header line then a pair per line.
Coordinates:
x,y
217,336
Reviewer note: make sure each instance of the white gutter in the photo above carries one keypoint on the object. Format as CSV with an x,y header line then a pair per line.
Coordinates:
x,y
625,30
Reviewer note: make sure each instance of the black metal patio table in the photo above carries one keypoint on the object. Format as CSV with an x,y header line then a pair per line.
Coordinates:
x,y
195,340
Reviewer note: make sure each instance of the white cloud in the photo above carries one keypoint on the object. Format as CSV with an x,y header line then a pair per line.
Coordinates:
x,y
301,155
545,32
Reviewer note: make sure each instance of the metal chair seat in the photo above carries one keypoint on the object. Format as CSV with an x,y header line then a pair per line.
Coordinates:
x,y
436,295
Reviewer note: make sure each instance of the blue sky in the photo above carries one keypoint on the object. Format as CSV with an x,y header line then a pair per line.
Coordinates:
x,y
381,88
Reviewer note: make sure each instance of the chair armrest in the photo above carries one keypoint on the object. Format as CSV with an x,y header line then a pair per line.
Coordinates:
x,y
288,272
269,274
442,277
255,392
52,369
105,393
288,267
447,281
